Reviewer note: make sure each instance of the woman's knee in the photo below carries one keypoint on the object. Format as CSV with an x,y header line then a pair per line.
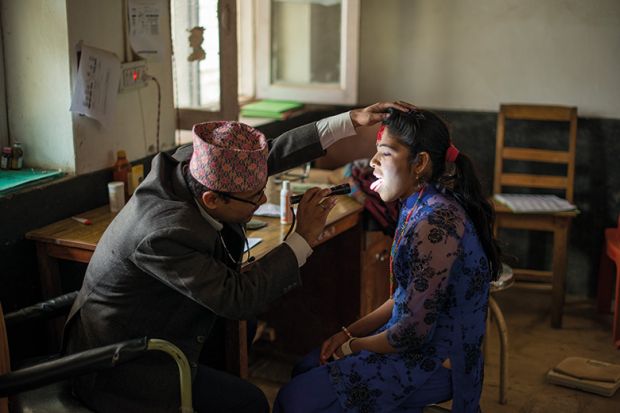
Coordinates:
x,y
310,361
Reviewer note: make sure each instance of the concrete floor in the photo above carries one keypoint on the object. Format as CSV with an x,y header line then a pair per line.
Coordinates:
x,y
534,347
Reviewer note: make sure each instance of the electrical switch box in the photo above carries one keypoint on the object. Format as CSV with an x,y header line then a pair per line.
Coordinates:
x,y
133,75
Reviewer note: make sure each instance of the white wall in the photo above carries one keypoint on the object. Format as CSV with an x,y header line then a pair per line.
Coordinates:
x,y
37,80
474,54
40,40
100,24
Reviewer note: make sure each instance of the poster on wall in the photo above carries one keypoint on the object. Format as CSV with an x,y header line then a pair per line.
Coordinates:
x,y
96,85
145,24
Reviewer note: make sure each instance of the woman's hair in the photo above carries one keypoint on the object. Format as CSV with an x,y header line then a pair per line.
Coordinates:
x,y
423,131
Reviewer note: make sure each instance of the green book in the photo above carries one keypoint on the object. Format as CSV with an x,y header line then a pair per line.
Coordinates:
x,y
271,109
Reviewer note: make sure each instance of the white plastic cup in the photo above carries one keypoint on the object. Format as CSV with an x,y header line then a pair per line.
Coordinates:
x,y
116,195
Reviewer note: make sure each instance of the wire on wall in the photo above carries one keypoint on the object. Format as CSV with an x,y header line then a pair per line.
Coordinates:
x,y
158,111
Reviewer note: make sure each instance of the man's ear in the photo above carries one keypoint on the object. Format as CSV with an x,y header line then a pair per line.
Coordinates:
x,y
211,200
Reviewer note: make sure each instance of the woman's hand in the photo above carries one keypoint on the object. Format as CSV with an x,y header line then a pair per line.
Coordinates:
x,y
376,113
331,346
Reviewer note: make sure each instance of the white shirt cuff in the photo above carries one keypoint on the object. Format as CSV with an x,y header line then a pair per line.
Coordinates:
x,y
334,128
300,247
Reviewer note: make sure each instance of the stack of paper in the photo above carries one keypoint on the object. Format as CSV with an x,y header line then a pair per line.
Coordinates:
x,y
268,210
272,109
534,203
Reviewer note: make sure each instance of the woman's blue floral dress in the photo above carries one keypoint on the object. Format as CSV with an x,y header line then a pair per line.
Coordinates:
x,y
440,307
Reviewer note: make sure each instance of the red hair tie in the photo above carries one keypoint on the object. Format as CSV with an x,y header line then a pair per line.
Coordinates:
x,y
451,153
381,129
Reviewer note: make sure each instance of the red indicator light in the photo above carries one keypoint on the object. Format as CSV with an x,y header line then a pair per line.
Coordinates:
x,y
135,75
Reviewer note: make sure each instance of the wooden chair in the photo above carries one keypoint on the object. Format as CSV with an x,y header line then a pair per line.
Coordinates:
x,y
556,222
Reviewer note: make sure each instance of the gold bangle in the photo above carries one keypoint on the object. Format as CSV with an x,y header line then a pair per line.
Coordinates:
x,y
347,332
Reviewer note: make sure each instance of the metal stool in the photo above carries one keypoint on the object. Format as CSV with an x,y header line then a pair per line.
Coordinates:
x,y
506,280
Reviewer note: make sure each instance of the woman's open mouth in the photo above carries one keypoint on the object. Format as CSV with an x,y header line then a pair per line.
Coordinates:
x,y
376,185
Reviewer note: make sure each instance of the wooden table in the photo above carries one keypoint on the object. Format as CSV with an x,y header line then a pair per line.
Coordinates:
x,y
70,240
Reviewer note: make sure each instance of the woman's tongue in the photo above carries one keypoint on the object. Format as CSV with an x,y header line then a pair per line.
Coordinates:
x,y
376,185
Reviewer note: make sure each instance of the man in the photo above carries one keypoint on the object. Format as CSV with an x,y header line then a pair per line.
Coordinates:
x,y
168,266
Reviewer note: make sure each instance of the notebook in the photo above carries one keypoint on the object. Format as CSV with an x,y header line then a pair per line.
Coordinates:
x,y
585,374
524,203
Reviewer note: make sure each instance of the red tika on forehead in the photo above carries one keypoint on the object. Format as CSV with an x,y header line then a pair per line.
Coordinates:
x,y
380,132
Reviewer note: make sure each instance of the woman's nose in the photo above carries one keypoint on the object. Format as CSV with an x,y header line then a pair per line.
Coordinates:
x,y
374,162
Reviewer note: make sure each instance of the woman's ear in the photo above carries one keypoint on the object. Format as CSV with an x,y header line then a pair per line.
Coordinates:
x,y
210,199
422,165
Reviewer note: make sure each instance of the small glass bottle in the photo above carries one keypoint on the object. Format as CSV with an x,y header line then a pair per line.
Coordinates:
x,y
122,171
7,154
286,215
17,161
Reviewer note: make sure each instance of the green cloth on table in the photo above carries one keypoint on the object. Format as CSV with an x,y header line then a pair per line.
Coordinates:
x,y
10,179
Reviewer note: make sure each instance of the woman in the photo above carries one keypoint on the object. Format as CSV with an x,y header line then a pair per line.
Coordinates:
x,y
423,345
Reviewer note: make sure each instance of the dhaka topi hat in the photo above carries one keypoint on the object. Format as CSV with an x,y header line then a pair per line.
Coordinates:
x,y
229,156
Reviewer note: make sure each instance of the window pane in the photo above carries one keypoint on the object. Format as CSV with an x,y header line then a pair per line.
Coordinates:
x,y
195,39
305,41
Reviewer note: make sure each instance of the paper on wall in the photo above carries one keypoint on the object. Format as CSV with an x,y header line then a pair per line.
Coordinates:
x,y
96,85
145,28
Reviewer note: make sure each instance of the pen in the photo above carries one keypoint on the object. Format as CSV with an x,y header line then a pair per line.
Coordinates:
x,y
84,221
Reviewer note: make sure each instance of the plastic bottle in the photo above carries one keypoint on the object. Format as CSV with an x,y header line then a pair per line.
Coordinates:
x,y
116,196
122,171
286,215
17,161
5,161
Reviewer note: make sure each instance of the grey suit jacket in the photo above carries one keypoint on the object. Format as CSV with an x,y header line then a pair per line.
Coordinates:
x,y
160,271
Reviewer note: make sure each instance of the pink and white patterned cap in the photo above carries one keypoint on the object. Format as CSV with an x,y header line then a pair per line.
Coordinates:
x,y
229,156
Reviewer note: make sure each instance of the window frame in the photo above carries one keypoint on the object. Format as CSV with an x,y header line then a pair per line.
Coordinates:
x,y
346,93
4,119
229,104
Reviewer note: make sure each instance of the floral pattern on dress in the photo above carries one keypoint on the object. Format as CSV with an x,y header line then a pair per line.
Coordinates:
x,y
440,305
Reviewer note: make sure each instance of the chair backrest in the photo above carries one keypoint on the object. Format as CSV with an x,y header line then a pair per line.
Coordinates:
x,y
504,152
5,364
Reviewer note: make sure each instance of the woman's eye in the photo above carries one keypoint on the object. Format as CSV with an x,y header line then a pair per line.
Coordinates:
x,y
386,154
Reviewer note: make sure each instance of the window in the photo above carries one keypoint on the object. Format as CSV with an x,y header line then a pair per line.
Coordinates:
x,y
236,50
307,50
204,38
